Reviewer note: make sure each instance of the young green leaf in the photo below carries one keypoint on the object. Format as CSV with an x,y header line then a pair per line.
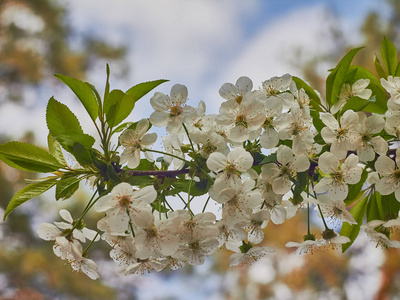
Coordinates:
x,y
389,56
82,154
379,68
118,106
352,231
55,149
30,191
66,187
375,209
141,89
84,94
356,104
391,206
337,76
65,127
107,89
28,157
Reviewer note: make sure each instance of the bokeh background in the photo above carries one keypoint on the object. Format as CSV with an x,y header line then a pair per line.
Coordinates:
x,y
201,44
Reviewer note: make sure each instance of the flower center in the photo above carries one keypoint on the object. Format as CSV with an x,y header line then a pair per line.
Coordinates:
x,y
241,120
268,123
338,177
341,133
124,201
175,111
239,99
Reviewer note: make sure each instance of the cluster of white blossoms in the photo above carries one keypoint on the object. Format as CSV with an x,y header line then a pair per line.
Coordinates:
x,y
262,159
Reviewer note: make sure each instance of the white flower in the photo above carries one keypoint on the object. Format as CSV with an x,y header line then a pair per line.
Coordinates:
x,y
335,208
202,122
232,237
140,266
172,145
239,202
155,237
286,167
296,125
334,240
196,248
390,175
258,221
245,117
202,224
342,136
270,137
66,242
254,254
236,92
171,111
367,144
275,87
393,114
86,266
358,89
237,161
302,99
337,176
306,246
209,142
378,237
123,203
392,86
134,140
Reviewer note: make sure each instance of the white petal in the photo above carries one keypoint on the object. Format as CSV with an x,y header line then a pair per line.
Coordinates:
x,y
216,161
66,215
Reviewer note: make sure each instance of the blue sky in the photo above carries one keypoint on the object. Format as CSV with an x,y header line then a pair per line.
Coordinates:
x,y
201,44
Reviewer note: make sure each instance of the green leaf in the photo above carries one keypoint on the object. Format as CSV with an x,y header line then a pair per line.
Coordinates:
x,y
379,68
315,101
397,74
391,206
66,187
107,89
268,159
121,127
389,56
196,189
159,206
65,127
84,93
141,89
375,209
352,231
317,122
28,157
356,104
82,154
301,182
337,76
118,106
55,149
30,191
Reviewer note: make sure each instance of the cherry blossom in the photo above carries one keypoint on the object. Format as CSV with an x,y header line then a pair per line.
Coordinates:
x,y
135,140
341,135
389,171
171,111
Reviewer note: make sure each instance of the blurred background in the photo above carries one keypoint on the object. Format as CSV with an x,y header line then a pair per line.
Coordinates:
x,y
201,44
